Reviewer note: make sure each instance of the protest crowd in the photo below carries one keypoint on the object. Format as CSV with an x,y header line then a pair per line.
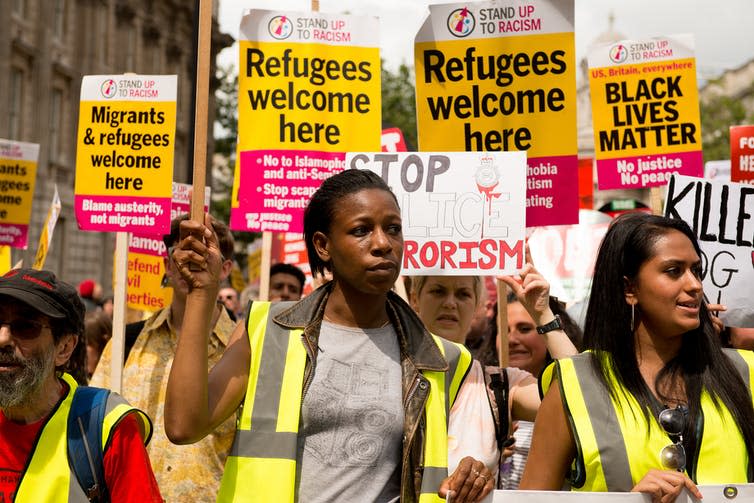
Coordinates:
x,y
416,351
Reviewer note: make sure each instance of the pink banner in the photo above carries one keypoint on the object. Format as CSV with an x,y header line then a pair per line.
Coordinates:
x,y
647,170
552,188
15,235
275,187
144,215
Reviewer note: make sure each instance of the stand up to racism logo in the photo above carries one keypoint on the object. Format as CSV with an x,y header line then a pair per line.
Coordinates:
x,y
461,22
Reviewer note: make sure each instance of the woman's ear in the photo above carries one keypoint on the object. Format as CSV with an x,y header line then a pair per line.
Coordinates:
x,y
321,246
64,349
629,291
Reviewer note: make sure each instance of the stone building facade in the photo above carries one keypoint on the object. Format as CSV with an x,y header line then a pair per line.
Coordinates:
x,y
46,47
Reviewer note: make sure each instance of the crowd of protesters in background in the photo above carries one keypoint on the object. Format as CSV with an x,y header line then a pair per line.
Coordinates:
x,y
654,352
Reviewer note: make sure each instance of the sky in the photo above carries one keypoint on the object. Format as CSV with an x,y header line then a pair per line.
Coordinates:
x,y
723,32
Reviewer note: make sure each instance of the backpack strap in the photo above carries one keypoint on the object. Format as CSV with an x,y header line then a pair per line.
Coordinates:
x,y
85,441
496,379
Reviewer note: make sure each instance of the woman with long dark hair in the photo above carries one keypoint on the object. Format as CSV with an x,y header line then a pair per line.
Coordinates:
x,y
655,404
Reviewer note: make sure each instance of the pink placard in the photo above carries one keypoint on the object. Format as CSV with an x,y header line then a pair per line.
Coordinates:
x,y
144,215
275,187
552,187
15,235
647,170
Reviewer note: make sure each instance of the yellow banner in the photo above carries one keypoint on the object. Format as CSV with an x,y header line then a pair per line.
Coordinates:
x,y
45,239
649,108
645,112
125,148
4,259
527,91
144,282
307,81
18,174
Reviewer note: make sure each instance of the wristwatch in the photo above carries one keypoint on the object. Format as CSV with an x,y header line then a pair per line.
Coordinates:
x,y
549,327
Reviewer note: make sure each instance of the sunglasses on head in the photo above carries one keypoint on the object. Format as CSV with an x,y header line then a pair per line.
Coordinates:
x,y
673,422
24,329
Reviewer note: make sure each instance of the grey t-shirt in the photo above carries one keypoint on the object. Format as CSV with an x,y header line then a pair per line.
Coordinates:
x,y
351,431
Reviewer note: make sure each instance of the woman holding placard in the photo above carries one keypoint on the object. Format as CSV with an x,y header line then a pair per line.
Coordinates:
x,y
345,392
446,305
655,405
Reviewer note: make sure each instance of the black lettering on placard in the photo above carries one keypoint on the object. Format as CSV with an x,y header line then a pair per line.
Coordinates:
x,y
645,115
503,70
315,71
412,169
706,203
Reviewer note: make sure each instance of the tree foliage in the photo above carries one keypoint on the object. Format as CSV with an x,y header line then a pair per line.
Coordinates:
x,y
399,102
718,113
226,131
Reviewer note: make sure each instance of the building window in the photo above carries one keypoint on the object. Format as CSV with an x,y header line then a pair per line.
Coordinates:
x,y
16,103
19,7
58,24
104,34
130,49
56,119
156,61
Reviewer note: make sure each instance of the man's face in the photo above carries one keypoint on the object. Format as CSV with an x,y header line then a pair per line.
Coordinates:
x,y
284,286
175,280
25,360
229,297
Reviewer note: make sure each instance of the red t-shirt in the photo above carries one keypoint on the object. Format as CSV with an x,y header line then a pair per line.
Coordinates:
x,y
128,472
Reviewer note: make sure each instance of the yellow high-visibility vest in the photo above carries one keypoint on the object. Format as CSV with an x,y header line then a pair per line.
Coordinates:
x,y
616,445
262,463
48,476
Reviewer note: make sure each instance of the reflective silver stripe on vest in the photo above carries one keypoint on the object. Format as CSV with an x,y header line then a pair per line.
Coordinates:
x,y
607,430
453,356
264,444
740,365
262,441
432,478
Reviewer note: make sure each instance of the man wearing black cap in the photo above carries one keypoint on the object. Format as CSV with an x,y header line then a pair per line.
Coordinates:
x,y
184,472
41,321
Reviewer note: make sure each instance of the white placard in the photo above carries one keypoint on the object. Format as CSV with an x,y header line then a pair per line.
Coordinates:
x,y
721,214
463,212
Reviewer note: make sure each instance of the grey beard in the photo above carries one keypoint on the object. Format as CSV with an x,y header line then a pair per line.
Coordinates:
x,y
19,389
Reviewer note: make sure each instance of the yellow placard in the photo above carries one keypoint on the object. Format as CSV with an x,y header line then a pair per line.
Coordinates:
x,y
643,109
4,259
307,81
18,174
490,94
144,278
17,180
320,111
124,156
125,148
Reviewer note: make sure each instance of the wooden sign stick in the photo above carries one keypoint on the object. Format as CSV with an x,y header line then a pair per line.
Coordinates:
x,y
201,110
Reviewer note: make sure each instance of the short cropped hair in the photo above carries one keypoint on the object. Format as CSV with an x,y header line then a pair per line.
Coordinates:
x,y
321,208
291,269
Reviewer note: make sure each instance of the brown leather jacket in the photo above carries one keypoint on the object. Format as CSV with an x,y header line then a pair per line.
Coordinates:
x,y
418,352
